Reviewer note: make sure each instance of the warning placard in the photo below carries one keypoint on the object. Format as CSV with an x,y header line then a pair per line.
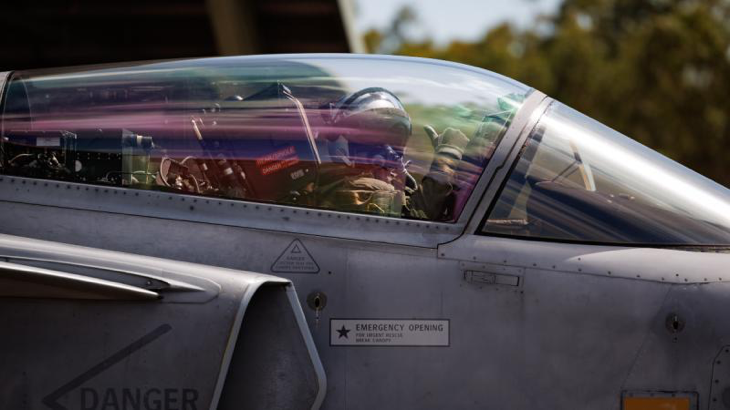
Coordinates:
x,y
276,161
295,259
389,332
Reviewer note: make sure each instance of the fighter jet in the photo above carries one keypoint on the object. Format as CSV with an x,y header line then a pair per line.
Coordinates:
x,y
346,232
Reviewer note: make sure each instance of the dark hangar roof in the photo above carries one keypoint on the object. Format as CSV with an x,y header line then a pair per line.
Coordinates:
x,y
39,34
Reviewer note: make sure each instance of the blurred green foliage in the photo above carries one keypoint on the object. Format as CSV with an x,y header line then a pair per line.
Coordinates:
x,y
655,70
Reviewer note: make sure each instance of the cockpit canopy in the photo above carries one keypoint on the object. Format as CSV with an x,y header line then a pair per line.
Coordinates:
x,y
395,137
580,181
368,135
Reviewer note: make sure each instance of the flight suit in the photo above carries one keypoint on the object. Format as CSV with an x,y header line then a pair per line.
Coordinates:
x,y
353,189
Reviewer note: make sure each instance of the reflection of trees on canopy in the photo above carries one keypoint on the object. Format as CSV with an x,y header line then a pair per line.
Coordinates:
x,y
657,71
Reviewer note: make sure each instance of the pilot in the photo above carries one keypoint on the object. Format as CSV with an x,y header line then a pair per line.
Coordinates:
x,y
367,135
365,138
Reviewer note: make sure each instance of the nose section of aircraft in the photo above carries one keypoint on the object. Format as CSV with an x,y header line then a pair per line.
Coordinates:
x,y
688,345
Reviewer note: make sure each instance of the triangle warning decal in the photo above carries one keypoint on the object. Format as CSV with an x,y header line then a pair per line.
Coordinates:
x,y
295,259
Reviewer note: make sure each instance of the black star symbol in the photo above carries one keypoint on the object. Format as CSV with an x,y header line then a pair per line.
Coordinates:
x,y
343,332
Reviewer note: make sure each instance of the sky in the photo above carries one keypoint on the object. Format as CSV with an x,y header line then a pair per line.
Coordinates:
x,y
447,20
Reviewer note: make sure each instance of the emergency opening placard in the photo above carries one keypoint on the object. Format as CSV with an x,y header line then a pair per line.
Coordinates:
x,y
389,332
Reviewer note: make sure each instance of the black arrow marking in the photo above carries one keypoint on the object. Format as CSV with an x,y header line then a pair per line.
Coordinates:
x,y
117,357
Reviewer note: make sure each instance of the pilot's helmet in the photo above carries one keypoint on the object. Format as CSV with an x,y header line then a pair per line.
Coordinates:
x,y
372,117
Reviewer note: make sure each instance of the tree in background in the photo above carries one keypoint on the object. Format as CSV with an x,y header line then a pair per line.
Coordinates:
x,y
658,71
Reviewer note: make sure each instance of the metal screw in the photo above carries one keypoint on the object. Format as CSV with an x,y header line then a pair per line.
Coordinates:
x,y
674,323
